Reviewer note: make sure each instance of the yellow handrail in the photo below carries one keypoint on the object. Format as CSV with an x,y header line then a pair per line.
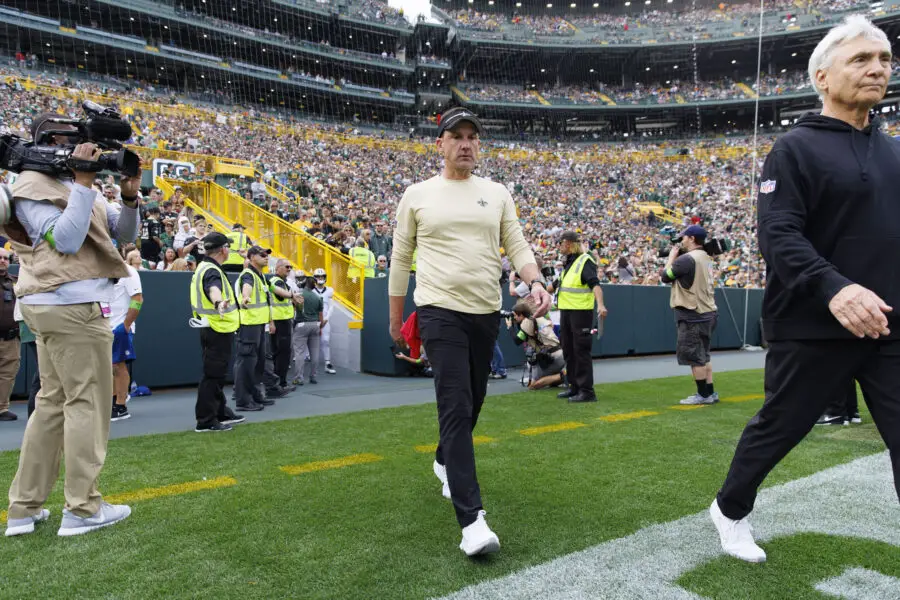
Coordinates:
x,y
168,190
286,240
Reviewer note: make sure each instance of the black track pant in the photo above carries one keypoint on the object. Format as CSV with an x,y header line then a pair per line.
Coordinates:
x,y
459,347
281,349
576,346
216,351
802,379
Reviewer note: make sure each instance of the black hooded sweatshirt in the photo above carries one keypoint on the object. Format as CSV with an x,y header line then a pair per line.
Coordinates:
x,y
829,216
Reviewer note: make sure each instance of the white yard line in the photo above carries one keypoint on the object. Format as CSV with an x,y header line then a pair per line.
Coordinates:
x,y
856,499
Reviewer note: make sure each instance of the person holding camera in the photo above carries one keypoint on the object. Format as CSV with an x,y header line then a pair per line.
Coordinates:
x,y
690,271
63,233
546,355
579,291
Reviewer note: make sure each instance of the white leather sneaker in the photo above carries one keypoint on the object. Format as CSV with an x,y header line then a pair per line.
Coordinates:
x,y
25,525
478,538
440,471
736,536
109,514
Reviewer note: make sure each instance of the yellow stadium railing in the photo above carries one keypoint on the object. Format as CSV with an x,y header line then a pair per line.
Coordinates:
x,y
286,240
666,214
168,190
206,163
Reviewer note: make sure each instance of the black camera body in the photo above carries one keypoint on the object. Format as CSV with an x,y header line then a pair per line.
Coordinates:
x,y
506,314
103,127
713,247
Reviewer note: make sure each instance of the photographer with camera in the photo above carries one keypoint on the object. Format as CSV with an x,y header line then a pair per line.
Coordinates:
x,y
63,233
690,271
545,356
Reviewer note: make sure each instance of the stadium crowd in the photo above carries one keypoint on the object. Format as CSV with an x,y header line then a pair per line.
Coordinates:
x,y
720,20
671,90
341,189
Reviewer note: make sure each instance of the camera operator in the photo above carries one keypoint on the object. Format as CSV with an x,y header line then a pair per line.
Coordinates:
x,y
689,270
537,334
63,234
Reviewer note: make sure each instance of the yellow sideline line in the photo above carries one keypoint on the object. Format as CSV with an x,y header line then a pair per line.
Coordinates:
x,y
477,439
689,406
568,425
746,398
336,463
176,489
627,416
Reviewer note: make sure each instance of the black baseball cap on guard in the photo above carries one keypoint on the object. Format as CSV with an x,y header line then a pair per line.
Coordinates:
x,y
455,116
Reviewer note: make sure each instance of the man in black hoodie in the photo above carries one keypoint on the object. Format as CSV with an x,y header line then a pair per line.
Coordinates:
x,y
829,230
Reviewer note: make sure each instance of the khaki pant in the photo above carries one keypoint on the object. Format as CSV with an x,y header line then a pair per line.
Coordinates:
x,y
10,355
74,345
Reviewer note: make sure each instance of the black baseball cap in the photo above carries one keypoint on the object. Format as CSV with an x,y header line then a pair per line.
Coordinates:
x,y
570,236
695,231
215,240
236,226
455,116
254,250
41,119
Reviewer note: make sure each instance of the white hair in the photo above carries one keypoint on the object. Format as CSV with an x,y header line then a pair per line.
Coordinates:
x,y
853,26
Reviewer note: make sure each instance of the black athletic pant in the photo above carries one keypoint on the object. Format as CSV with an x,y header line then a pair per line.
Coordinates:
x,y
216,352
575,339
459,347
281,349
801,379
249,364
845,406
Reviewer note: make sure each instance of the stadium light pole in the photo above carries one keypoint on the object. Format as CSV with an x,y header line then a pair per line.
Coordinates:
x,y
744,345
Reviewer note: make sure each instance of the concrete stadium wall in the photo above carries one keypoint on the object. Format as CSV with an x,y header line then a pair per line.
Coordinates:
x,y
640,322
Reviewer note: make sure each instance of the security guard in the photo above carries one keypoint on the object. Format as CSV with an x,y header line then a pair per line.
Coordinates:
x,y
361,255
283,301
213,302
255,312
239,245
578,290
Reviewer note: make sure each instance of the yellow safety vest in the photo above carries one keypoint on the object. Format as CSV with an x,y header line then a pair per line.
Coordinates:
x,y
363,257
574,295
203,306
412,267
238,242
257,312
282,308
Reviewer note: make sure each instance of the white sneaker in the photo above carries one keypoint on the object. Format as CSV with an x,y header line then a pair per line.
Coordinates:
x,y
736,536
698,399
329,368
109,514
440,471
478,538
25,525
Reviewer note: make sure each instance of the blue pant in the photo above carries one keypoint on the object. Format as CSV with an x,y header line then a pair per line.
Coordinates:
x,y
497,364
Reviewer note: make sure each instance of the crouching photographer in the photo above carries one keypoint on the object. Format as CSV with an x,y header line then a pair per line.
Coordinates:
x,y
543,351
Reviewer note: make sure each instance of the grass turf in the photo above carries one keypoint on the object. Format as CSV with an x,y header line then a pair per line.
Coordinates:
x,y
382,529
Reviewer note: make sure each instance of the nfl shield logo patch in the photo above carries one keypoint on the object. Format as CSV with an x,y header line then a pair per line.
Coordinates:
x,y
767,187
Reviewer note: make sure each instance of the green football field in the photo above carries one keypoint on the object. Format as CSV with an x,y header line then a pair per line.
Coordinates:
x,y
346,506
